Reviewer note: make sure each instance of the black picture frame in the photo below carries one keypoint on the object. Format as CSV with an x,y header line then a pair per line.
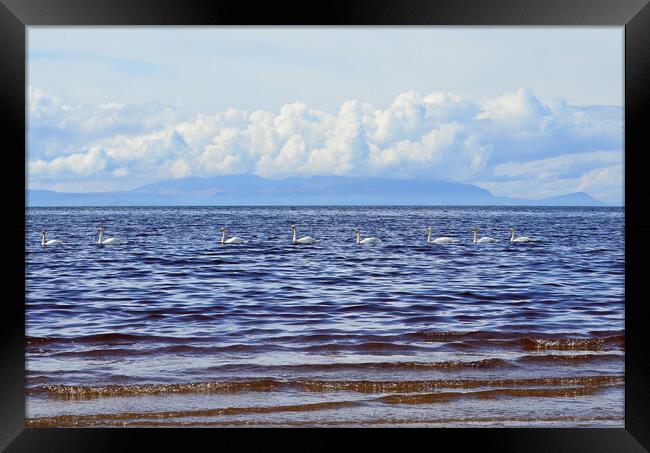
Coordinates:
x,y
16,15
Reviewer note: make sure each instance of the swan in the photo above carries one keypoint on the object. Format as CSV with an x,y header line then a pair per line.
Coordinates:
x,y
483,239
45,242
440,240
368,240
232,240
303,240
102,241
520,238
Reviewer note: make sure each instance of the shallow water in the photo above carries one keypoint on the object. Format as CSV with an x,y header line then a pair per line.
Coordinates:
x,y
172,328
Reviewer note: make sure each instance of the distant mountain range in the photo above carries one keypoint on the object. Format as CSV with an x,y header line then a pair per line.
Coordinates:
x,y
315,190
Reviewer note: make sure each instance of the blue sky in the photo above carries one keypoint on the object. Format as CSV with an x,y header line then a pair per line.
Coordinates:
x,y
523,112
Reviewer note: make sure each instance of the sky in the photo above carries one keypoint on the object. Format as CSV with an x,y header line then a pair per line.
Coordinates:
x,y
526,112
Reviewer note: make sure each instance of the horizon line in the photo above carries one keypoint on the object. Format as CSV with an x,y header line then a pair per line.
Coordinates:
x,y
327,206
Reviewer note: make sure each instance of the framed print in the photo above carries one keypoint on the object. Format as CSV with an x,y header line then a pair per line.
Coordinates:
x,y
417,216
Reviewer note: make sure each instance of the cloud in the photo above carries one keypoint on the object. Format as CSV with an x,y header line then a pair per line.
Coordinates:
x,y
515,110
178,168
559,166
82,164
604,183
599,173
56,128
500,143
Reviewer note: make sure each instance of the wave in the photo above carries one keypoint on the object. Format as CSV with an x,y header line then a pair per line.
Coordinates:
x,y
369,346
308,385
175,349
570,359
491,363
569,420
362,342
93,418
561,339
429,398
423,385
573,344
71,391
110,338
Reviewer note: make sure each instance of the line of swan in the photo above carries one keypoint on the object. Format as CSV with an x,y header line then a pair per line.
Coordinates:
x,y
306,239
440,240
45,242
232,240
107,241
483,239
368,240
303,240
520,238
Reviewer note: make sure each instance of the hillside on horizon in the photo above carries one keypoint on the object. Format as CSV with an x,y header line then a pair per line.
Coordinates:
x,y
315,190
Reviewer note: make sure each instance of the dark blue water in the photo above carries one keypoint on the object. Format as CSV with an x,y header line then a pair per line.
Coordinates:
x,y
172,328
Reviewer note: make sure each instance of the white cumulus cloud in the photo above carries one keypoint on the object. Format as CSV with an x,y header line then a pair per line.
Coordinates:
x,y
499,143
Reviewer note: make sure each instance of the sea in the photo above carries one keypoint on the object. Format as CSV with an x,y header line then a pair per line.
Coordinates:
x,y
172,328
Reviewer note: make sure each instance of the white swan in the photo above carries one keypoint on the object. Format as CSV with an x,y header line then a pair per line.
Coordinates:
x,y
45,242
232,240
368,240
303,240
108,241
440,240
520,238
483,239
